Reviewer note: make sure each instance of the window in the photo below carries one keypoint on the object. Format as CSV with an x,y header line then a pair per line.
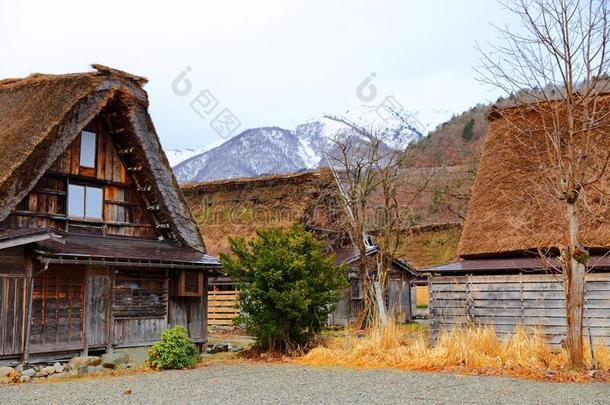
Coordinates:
x,y
87,149
85,201
356,289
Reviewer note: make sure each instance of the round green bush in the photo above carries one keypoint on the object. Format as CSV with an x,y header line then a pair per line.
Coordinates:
x,y
174,351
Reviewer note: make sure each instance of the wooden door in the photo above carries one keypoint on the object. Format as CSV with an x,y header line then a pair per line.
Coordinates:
x,y
57,310
12,307
99,290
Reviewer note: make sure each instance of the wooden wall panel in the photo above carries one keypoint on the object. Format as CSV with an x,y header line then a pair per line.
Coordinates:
x,y
99,292
46,204
128,332
508,301
12,312
57,309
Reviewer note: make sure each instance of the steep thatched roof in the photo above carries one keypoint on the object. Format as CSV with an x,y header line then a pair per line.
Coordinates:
x,y
514,206
41,115
237,207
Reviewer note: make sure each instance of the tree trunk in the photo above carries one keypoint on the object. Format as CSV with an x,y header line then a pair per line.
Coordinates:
x,y
574,287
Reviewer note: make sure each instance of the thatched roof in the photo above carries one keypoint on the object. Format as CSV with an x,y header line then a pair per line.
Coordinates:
x,y
237,207
513,206
41,115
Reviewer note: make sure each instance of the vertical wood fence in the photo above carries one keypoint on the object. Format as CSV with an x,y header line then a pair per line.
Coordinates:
x,y
222,307
510,300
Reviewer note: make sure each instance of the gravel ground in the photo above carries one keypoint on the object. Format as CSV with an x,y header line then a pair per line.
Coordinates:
x,y
288,384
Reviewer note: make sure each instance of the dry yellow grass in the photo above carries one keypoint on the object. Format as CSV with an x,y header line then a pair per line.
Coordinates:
x,y
472,349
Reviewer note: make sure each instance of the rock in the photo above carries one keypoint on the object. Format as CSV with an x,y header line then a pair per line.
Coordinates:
x,y
127,391
95,369
73,373
6,371
77,362
112,360
58,375
58,368
218,348
19,368
25,378
48,370
28,372
235,348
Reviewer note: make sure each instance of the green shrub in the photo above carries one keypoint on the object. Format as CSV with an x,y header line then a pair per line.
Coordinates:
x,y
175,350
288,286
468,131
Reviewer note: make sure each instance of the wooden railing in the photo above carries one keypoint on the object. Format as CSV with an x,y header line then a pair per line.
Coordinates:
x,y
222,307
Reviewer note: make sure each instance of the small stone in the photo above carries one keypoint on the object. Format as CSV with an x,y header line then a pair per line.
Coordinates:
x,y
47,370
6,371
57,375
112,360
127,391
25,379
58,368
76,362
73,373
19,368
28,372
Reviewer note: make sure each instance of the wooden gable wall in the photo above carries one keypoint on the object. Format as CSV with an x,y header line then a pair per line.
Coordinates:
x,y
124,212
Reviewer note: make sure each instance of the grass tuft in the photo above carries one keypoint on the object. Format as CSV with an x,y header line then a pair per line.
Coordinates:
x,y
470,349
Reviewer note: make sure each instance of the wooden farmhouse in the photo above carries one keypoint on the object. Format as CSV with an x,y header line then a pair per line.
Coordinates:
x,y
234,208
98,248
501,278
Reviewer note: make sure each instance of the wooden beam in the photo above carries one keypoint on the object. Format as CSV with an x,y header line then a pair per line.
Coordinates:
x,y
28,318
5,244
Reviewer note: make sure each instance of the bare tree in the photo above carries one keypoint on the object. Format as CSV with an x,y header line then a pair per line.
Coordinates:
x,y
370,176
554,67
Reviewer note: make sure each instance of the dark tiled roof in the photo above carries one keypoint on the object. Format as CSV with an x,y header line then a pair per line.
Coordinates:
x,y
118,248
8,234
509,264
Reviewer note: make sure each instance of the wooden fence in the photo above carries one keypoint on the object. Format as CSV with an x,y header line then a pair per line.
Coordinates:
x,y
222,307
511,300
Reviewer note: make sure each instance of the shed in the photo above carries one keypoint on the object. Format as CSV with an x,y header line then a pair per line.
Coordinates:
x,y
500,278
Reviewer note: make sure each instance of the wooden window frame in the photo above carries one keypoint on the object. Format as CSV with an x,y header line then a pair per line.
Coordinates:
x,y
84,217
80,150
180,288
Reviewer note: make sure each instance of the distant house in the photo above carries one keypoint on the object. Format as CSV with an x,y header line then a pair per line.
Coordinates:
x,y
500,278
237,207
98,248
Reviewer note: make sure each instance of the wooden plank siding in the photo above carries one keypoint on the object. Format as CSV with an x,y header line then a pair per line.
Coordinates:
x,y
57,310
222,307
124,212
12,308
509,300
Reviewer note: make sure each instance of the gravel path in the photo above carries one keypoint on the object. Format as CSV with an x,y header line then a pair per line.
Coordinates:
x,y
288,384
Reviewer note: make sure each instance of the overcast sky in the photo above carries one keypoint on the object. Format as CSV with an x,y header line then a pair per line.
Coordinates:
x,y
270,62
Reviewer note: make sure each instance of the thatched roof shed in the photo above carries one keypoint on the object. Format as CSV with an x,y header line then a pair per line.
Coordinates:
x,y
42,114
514,206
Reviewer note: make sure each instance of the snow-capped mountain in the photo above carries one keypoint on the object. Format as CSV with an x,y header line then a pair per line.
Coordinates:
x,y
271,150
178,156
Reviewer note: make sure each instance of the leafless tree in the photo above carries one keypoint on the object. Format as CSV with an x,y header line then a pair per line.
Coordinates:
x,y
369,176
554,68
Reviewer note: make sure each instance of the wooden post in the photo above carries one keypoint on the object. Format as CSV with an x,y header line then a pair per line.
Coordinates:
x,y
28,319
110,320
85,319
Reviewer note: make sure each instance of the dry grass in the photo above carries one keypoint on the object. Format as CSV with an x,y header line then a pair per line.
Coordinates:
x,y
474,349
